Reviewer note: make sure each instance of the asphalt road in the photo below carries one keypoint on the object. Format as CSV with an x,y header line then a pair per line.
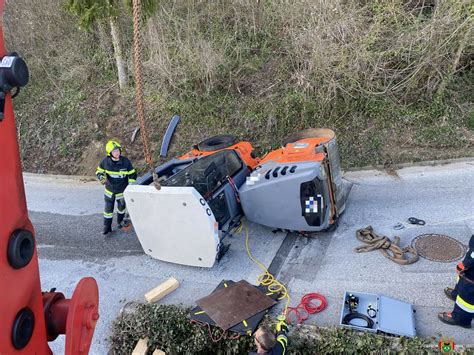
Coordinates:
x,y
66,213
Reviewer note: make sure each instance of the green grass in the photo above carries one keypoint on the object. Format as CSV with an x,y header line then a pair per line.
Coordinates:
x,y
168,328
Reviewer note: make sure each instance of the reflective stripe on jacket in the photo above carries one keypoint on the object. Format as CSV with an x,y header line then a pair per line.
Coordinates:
x,y
118,174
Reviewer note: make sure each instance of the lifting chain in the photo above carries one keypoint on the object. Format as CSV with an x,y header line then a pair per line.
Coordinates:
x,y
138,78
139,89
390,249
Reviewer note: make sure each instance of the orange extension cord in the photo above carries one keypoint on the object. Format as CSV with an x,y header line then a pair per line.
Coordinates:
x,y
306,307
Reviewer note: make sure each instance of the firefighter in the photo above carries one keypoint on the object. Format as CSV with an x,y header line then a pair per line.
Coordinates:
x,y
269,343
463,292
115,172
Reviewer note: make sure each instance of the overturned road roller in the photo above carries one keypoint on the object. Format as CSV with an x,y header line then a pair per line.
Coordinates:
x,y
205,193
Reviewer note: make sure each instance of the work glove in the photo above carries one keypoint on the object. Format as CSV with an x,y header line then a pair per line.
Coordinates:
x,y
103,180
281,325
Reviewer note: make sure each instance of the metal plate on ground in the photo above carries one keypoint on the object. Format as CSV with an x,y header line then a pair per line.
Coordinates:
x,y
231,305
438,247
247,326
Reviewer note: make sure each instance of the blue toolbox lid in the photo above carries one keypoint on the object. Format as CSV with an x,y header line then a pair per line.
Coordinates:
x,y
396,317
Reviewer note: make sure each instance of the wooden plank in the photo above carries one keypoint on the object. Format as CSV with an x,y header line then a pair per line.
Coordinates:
x,y
158,352
141,348
162,290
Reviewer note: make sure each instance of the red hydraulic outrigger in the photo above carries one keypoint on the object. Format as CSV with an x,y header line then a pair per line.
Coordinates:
x,y
30,318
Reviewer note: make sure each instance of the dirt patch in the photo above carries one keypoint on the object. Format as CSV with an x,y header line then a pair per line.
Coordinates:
x,y
260,81
118,123
91,158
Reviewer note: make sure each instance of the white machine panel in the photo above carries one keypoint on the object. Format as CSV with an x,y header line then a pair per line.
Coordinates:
x,y
173,224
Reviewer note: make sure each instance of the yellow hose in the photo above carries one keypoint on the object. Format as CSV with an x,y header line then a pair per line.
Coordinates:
x,y
266,278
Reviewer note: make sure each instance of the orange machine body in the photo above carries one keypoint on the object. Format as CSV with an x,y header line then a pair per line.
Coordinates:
x,y
244,149
302,150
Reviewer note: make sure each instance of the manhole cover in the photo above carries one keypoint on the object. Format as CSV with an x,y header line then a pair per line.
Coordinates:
x,y
438,247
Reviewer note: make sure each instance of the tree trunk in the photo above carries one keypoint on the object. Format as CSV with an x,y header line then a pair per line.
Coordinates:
x,y
104,39
114,31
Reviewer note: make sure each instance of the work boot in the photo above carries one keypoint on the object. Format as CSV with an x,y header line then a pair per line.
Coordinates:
x,y
120,217
447,317
124,225
107,226
448,291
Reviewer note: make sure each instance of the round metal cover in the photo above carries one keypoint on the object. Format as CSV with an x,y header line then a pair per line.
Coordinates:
x,y
438,247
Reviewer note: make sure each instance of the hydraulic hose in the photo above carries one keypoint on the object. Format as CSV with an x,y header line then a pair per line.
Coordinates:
x,y
355,315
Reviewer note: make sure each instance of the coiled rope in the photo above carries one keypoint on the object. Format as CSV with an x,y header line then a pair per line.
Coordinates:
x,y
390,249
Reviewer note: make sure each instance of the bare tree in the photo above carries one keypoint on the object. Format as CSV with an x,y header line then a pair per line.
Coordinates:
x,y
90,11
117,43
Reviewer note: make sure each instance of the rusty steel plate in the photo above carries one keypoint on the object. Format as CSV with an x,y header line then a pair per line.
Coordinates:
x,y
438,247
231,305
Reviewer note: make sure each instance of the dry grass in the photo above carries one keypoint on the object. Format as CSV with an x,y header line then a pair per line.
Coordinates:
x,y
332,48
393,78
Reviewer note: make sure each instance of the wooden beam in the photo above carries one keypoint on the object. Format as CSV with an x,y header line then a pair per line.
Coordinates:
x,y
162,290
141,348
158,352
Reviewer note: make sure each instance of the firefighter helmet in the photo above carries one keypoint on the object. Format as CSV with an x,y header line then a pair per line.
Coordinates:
x,y
112,145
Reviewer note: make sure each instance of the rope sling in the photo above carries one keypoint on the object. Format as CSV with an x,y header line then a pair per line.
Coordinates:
x,y
390,249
